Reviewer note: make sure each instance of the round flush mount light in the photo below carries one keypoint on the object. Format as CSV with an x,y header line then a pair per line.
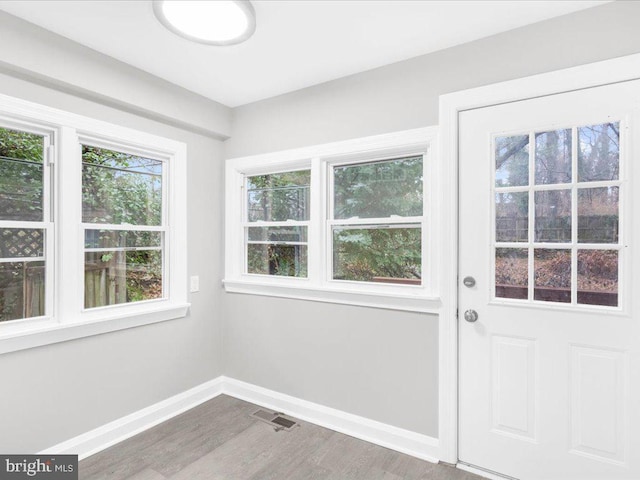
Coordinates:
x,y
214,22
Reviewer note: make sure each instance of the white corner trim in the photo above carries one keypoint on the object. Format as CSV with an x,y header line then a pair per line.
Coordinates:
x,y
103,437
388,436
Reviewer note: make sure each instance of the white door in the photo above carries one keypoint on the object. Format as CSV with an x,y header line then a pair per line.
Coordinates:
x,y
549,230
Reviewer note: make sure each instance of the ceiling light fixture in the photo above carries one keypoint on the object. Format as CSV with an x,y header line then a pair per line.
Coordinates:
x,y
217,22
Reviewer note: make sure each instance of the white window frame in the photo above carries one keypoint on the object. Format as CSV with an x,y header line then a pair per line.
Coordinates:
x,y
319,284
66,318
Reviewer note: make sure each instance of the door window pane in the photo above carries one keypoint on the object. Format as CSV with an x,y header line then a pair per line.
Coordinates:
x,y
21,176
379,189
278,197
512,217
120,188
593,221
598,277
512,161
598,215
553,157
553,216
552,269
599,152
512,273
378,254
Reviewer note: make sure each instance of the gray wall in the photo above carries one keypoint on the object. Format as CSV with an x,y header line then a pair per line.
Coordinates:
x,y
376,363
53,393
52,60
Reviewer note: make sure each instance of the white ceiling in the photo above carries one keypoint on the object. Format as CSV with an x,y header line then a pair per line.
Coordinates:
x,y
296,44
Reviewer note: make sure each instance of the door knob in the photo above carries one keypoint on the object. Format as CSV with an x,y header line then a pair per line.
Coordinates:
x,y
469,282
471,316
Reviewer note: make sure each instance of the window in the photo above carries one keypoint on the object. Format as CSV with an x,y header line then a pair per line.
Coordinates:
x,y
342,222
557,219
92,226
376,229
123,227
277,219
25,227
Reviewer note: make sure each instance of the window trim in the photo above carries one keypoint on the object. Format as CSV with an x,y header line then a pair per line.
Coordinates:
x,y
321,159
67,320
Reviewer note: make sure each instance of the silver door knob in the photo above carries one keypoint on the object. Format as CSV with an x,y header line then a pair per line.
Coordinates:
x,y
471,316
469,282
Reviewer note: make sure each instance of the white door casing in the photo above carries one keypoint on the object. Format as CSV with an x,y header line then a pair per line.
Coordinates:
x,y
548,389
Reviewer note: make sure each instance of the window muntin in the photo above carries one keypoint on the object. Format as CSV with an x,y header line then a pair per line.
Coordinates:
x,y
376,229
122,212
570,249
25,229
276,223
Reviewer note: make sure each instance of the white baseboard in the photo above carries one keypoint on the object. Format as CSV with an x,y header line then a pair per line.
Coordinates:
x,y
394,438
114,432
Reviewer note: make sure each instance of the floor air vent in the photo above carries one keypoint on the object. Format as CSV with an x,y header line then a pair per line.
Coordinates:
x,y
277,420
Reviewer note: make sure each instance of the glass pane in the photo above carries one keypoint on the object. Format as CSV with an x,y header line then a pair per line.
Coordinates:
x,y
512,217
379,189
120,188
552,275
22,290
512,161
278,197
117,277
377,254
121,239
512,273
599,152
21,242
553,157
598,277
21,176
553,216
271,259
277,234
598,215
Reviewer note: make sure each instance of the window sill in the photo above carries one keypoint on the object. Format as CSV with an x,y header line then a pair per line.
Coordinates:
x,y
49,333
407,303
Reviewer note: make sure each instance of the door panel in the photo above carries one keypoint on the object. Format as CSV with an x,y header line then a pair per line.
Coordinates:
x,y
550,372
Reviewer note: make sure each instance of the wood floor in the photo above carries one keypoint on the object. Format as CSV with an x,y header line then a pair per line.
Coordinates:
x,y
219,440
